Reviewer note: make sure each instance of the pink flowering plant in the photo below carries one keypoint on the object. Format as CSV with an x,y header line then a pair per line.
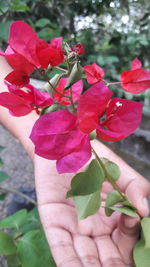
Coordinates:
x,y
70,118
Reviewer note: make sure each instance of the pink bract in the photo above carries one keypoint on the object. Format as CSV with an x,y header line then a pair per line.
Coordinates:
x,y
94,73
76,92
113,119
56,136
136,80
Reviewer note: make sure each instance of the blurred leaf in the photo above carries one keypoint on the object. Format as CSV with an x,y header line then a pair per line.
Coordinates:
x,y
33,250
87,205
125,210
145,223
7,246
1,148
112,198
15,220
4,26
1,162
13,261
3,176
112,169
87,182
42,22
141,254
2,197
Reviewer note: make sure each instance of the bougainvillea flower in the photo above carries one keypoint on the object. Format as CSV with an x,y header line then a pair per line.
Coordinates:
x,y
15,104
20,103
94,73
113,119
136,80
50,55
76,92
17,79
53,54
56,136
24,41
17,61
78,49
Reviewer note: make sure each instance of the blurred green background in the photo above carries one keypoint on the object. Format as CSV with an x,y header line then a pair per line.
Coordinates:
x,y
113,32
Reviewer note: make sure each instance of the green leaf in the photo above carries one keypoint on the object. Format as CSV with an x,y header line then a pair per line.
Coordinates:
x,y
54,82
141,254
145,223
75,75
13,261
1,162
42,22
15,220
31,221
4,26
125,210
7,246
113,198
33,250
2,196
87,182
112,169
3,176
1,148
87,205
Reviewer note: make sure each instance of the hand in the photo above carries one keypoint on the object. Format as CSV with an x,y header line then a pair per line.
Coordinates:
x,y
97,241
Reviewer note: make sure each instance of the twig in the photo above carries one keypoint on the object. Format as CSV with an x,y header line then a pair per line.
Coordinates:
x,y
19,194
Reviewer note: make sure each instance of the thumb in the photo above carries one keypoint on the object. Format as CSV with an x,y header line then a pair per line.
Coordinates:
x,y
126,235
137,191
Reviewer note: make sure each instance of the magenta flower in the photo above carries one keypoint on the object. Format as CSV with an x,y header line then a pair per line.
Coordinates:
x,y
113,119
56,136
20,103
76,92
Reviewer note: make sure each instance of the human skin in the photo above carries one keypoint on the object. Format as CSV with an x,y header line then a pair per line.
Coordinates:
x,y
97,241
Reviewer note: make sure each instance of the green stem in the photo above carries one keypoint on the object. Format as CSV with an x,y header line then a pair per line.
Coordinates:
x,y
47,80
108,178
107,83
59,68
71,100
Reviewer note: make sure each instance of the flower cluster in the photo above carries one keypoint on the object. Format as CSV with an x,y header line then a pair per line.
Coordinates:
x,y
64,135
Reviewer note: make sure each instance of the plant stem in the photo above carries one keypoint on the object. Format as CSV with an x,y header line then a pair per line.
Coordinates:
x,y
112,182
107,83
71,100
47,80
59,68
19,194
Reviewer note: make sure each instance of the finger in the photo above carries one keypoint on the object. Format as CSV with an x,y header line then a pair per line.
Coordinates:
x,y
50,186
108,252
87,251
137,191
62,248
125,236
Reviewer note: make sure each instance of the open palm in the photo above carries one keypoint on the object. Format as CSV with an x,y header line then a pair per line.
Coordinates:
x,y
98,241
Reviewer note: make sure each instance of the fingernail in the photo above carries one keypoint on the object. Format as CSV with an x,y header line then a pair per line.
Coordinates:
x,y
130,222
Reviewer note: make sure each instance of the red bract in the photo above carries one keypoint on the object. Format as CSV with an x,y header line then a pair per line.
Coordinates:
x,y
76,92
56,136
15,104
17,61
21,102
136,80
79,49
25,42
17,79
94,73
113,120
